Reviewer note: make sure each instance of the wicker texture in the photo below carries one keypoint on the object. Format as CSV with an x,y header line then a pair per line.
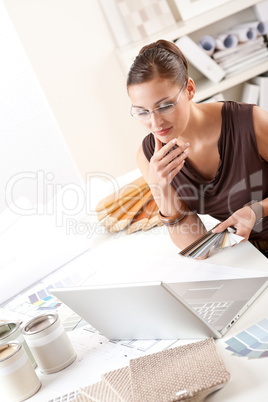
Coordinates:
x,y
179,374
120,382
187,373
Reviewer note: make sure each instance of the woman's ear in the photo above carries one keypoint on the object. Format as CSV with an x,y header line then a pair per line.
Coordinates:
x,y
190,88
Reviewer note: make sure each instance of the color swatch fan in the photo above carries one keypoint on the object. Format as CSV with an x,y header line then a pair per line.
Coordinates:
x,y
210,243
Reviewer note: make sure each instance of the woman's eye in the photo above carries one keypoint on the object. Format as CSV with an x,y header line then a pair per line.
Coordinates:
x,y
142,112
165,108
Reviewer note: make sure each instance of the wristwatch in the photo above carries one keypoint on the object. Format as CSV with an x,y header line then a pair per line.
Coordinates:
x,y
257,209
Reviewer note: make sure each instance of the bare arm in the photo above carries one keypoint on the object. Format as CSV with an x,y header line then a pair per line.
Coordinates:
x,y
159,173
244,219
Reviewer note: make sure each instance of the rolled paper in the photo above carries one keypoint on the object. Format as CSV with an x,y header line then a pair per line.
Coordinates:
x,y
260,26
245,34
226,41
208,44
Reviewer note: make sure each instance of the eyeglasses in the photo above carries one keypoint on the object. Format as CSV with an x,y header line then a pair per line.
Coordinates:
x,y
145,114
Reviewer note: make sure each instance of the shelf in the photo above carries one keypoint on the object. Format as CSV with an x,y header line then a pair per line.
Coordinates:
x,y
129,52
206,88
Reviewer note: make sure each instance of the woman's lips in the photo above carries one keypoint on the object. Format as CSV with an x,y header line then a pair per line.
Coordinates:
x,y
163,131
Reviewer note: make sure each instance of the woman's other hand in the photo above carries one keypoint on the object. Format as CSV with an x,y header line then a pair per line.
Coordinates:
x,y
242,220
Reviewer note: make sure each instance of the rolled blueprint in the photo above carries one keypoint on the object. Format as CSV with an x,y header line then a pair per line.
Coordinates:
x,y
245,33
208,44
260,26
226,41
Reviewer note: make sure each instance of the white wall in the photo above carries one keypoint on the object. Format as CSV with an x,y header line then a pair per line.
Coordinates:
x,y
73,54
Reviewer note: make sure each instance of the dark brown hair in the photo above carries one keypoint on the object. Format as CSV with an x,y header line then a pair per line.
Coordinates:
x,y
159,59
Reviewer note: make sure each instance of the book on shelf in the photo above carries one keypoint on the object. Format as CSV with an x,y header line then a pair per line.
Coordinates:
x,y
253,60
200,60
232,65
243,55
222,55
262,81
251,93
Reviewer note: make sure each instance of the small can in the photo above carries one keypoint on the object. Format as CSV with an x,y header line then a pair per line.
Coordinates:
x,y
11,331
18,380
49,343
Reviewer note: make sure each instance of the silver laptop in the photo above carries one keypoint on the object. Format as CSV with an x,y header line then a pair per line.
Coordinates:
x,y
157,310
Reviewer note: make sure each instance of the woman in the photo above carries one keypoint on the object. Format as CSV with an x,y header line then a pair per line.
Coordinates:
x,y
209,158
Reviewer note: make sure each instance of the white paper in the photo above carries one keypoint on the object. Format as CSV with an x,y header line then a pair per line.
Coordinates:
x,y
31,248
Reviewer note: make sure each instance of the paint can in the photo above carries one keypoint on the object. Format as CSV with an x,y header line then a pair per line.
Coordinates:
x,y
11,331
49,343
18,380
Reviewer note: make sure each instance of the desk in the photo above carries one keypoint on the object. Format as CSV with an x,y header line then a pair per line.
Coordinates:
x,y
111,253
120,257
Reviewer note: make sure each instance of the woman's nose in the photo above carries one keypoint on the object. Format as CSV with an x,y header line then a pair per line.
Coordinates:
x,y
156,120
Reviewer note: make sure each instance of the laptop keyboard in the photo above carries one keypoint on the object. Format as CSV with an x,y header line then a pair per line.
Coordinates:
x,y
211,311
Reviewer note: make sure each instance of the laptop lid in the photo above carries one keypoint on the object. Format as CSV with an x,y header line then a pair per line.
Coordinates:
x,y
136,311
157,310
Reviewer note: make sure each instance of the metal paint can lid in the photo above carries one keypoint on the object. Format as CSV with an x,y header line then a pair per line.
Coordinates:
x,y
40,323
8,328
7,350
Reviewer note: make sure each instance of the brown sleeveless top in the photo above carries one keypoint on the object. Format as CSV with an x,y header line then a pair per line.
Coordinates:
x,y
242,174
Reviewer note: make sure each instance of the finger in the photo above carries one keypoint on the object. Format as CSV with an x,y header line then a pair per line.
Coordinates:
x,y
167,154
158,144
176,155
174,162
224,225
163,150
173,172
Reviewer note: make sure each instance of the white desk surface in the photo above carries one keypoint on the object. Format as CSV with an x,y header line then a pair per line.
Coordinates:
x,y
152,256
128,255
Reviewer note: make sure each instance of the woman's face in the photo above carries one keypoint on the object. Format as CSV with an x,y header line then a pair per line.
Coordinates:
x,y
160,92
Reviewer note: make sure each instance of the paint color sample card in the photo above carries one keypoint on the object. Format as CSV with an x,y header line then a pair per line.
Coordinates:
x,y
251,343
210,243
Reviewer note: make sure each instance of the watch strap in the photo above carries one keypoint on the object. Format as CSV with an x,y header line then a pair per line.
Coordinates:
x,y
257,209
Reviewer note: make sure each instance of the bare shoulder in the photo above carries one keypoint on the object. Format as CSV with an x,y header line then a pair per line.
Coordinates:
x,y
260,123
143,163
210,111
211,106
210,119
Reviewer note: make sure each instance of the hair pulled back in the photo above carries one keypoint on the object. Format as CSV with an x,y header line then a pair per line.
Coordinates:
x,y
159,59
